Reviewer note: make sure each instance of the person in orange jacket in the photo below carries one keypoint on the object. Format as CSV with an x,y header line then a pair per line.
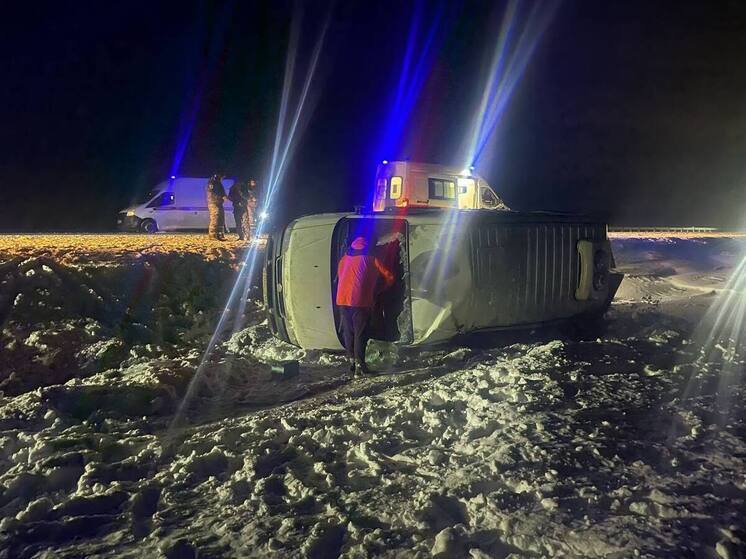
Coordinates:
x,y
358,275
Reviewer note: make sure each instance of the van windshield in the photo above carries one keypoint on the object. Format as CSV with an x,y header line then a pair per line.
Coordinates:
x,y
145,198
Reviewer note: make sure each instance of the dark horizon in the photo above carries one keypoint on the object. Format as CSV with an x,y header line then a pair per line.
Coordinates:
x,y
633,111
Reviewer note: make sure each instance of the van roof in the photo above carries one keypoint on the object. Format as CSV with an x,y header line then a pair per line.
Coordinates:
x,y
422,216
434,168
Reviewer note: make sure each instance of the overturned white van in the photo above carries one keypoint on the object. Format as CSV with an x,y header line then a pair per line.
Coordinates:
x,y
173,205
410,184
457,272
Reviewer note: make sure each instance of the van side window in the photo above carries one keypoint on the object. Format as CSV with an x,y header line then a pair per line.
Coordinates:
x,y
381,188
163,199
441,189
395,193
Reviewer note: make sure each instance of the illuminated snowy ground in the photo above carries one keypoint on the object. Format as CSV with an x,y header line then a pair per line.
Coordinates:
x,y
560,445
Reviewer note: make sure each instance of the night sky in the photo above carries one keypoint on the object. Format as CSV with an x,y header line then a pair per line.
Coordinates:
x,y
631,110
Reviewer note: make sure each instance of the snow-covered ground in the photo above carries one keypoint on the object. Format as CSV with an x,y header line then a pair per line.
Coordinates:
x,y
626,441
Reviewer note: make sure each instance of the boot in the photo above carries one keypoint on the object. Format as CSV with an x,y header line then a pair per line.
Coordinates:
x,y
362,367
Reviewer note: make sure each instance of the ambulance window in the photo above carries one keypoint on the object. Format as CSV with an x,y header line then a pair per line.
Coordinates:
x,y
464,185
395,188
441,189
381,187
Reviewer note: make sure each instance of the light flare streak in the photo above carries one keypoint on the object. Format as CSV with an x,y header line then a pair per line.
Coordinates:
x,y
415,66
284,144
507,66
285,140
722,337
189,117
440,263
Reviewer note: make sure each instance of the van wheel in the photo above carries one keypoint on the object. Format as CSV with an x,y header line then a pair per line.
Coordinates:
x,y
148,226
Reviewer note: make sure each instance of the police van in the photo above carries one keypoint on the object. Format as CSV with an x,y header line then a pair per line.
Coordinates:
x,y
457,272
410,184
173,205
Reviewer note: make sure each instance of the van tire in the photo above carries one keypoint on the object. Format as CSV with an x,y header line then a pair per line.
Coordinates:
x,y
148,226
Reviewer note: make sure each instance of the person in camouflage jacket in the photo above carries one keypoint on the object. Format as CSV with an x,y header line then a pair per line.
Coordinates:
x,y
250,226
215,198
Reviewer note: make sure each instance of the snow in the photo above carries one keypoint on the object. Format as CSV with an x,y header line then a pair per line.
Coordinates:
x,y
611,442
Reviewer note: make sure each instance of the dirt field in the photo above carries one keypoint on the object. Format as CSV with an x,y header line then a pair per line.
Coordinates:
x,y
108,247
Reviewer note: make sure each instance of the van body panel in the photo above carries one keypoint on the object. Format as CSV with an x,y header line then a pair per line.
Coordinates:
x,y
185,209
494,274
465,271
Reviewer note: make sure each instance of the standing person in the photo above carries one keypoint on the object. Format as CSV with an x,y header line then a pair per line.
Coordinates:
x,y
358,275
251,196
238,194
215,198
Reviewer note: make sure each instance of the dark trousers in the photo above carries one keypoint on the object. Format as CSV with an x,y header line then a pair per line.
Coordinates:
x,y
355,322
216,228
239,214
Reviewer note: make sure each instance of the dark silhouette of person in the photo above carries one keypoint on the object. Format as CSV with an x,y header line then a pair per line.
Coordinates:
x,y
251,196
215,198
239,196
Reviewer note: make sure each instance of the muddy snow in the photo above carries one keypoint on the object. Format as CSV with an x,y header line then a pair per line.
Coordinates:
x,y
622,439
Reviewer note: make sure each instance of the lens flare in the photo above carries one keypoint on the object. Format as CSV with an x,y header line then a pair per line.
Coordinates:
x,y
411,78
416,63
285,139
507,66
189,116
721,337
441,263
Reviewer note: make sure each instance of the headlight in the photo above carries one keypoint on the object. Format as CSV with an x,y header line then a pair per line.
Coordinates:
x,y
263,215
130,213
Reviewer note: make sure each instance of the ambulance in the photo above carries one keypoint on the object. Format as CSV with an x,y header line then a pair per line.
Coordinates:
x,y
410,184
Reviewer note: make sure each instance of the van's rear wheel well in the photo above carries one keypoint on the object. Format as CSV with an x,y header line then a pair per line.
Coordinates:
x,y
148,226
